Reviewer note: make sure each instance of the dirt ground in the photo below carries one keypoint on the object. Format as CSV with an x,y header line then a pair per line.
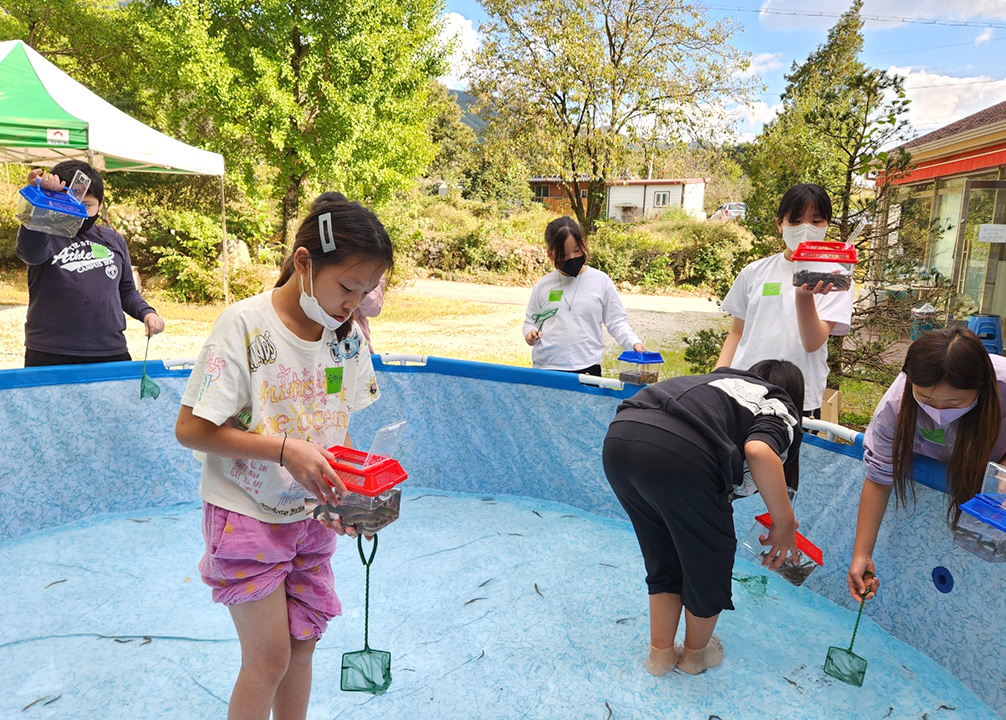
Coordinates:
x,y
427,317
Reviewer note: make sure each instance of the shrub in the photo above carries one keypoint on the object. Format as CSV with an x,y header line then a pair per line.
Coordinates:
x,y
703,350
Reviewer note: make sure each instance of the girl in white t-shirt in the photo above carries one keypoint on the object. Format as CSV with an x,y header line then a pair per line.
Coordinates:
x,y
773,320
273,387
569,305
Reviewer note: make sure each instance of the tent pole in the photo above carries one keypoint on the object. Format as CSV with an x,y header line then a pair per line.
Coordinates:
x,y
227,256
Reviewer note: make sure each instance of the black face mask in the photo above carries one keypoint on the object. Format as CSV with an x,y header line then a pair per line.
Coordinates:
x,y
86,225
572,266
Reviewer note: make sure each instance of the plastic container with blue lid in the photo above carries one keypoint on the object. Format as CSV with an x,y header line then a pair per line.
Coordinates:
x,y
57,212
981,529
994,484
639,368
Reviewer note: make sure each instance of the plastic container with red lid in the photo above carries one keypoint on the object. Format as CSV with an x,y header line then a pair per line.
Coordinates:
x,y
827,262
374,498
794,571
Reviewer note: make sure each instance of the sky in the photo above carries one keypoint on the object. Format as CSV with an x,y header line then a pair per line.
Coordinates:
x,y
951,52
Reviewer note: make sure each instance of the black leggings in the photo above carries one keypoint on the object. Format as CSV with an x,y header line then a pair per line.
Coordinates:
x,y
35,358
680,511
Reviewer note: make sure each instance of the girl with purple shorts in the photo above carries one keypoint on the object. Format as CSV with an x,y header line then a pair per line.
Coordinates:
x,y
273,387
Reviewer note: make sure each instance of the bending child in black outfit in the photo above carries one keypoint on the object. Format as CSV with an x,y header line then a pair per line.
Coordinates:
x,y
675,454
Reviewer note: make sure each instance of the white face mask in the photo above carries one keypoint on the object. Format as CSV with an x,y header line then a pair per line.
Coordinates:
x,y
309,304
793,235
946,416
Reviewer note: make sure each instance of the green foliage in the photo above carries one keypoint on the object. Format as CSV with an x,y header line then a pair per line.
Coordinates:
x,y
703,350
569,84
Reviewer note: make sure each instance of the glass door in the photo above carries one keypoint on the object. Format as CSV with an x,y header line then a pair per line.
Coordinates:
x,y
978,259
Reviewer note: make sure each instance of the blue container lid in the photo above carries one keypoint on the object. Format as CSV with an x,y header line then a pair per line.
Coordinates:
x,y
646,357
54,200
987,510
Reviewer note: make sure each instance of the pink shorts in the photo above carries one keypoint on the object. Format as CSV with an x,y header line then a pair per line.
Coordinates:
x,y
247,559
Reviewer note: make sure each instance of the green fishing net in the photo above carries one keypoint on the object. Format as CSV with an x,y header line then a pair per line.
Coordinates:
x,y
544,315
366,670
148,388
843,664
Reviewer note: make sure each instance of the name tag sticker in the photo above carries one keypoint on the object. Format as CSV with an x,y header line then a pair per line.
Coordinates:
x,y
555,295
936,435
770,289
99,252
333,380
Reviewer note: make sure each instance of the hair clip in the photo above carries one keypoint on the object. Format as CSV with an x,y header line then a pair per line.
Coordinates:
x,y
325,232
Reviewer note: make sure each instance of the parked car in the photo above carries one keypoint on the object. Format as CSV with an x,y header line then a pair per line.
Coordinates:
x,y
730,211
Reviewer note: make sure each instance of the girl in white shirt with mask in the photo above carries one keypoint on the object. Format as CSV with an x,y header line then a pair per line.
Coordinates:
x,y
569,305
773,319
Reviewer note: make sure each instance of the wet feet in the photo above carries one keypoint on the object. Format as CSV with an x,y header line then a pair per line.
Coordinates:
x,y
661,660
696,662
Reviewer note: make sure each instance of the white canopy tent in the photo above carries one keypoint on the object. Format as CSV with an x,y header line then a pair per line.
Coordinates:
x,y
46,116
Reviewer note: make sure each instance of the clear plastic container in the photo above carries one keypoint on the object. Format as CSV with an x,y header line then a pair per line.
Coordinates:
x,y
793,571
55,212
369,514
827,262
994,484
981,529
639,368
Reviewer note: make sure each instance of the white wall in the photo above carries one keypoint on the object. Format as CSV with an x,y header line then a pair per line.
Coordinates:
x,y
695,200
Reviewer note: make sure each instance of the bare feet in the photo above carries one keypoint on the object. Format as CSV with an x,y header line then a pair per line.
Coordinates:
x,y
661,660
696,662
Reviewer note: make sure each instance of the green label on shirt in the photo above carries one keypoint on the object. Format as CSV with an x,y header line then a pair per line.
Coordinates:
x,y
936,435
555,296
769,289
99,252
333,380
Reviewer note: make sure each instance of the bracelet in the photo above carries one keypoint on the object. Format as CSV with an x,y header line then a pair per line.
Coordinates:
x,y
282,450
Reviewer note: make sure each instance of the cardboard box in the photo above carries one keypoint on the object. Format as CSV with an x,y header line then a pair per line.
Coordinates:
x,y
830,405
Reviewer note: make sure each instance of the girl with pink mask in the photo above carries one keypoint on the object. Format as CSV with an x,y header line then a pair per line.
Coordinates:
x,y
946,404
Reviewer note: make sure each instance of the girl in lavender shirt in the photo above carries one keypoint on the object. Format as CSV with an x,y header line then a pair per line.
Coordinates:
x,y
946,404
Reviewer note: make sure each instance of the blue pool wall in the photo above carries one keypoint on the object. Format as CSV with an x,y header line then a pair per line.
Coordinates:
x,y
79,441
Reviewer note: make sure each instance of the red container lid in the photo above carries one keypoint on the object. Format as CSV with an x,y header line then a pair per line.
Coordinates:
x,y
372,480
802,544
825,252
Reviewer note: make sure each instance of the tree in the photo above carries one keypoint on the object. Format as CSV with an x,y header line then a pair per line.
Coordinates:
x,y
570,83
297,92
453,139
838,122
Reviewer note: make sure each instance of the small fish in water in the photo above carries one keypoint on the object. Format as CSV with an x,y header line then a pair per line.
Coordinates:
x,y
50,702
611,713
146,640
140,519
123,640
945,707
475,599
889,711
486,499
54,582
35,702
537,590
515,534
536,513
607,565
483,584
481,656
566,516
621,621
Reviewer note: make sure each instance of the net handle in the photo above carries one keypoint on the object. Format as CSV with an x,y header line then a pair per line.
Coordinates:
x,y
862,603
366,595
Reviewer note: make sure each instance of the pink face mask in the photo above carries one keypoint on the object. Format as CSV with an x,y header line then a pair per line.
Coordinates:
x,y
946,416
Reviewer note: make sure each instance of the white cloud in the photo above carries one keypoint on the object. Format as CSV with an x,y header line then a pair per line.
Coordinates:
x,y
973,11
939,100
984,37
459,29
762,63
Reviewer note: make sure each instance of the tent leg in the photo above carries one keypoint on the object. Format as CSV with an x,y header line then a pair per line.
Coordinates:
x,y
227,256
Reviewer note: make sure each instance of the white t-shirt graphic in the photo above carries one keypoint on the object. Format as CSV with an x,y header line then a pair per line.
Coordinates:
x,y
256,375
764,297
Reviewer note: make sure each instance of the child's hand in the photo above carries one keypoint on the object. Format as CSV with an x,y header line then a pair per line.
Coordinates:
x,y
820,289
639,347
48,180
153,323
857,585
309,465
336,524
532,336
782,541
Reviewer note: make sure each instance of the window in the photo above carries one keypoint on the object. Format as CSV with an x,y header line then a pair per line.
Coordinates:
x,y
583,193
661,199
540,192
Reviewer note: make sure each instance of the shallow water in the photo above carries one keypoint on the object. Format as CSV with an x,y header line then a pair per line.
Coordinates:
x,y
492,607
